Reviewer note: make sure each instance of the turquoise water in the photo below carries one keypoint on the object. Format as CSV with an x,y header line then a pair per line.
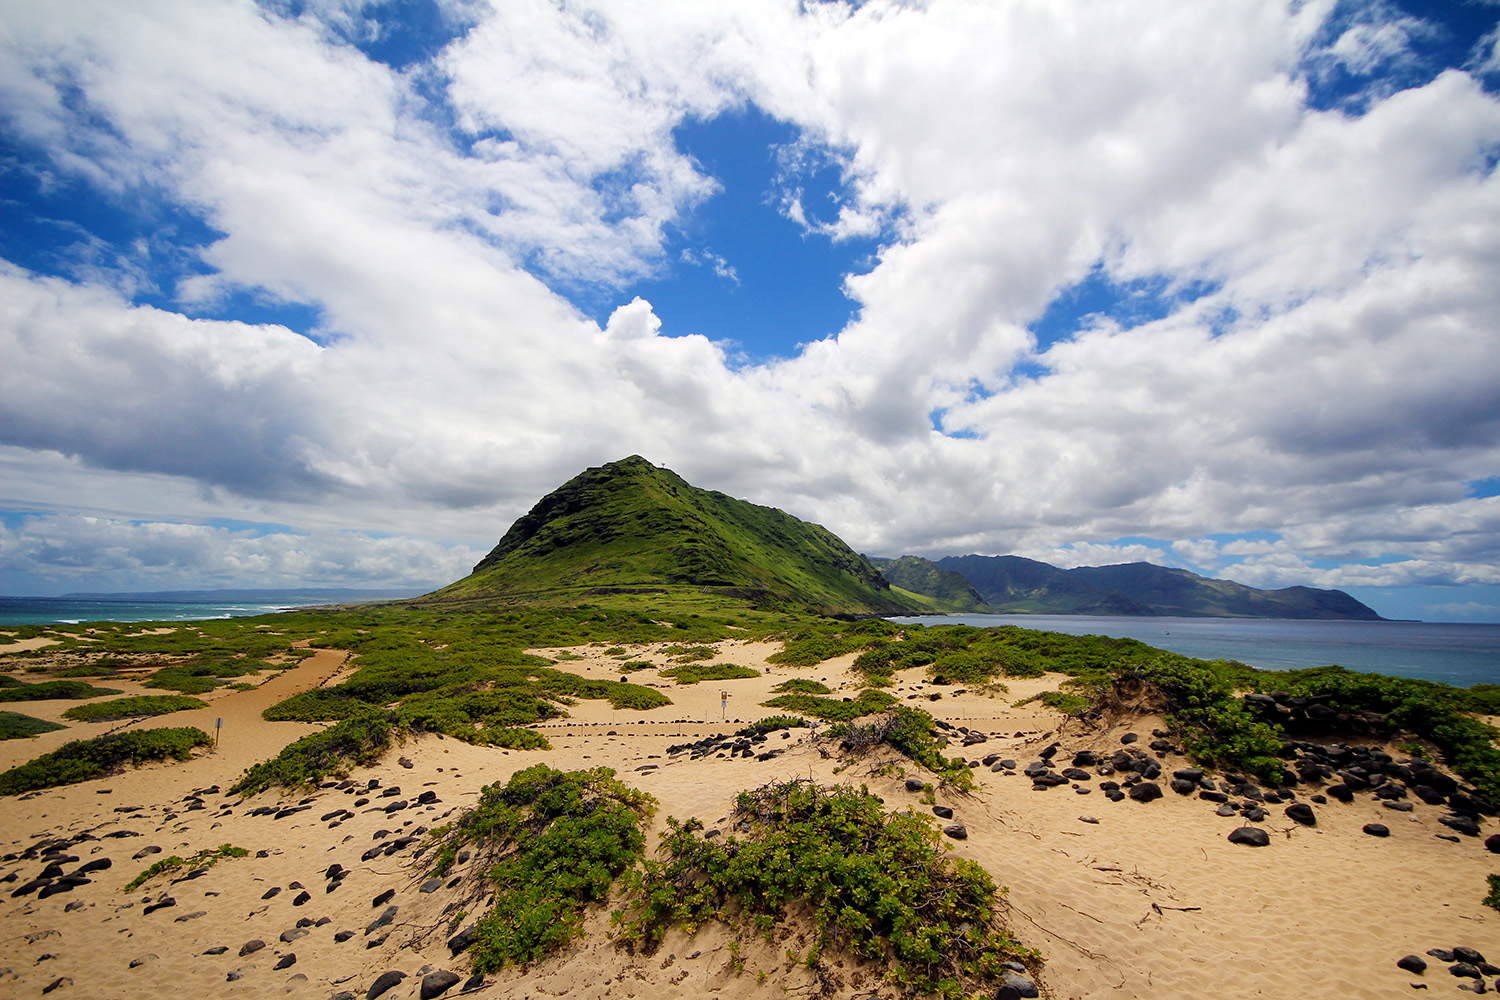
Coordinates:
x,y
1452,652
56,610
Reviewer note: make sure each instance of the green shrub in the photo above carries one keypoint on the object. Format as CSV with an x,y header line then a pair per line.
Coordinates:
x,y
911,732
879,885
832,709
82,760
49,690
800,685
558,841
693,673
136,707
15,726
354,742
1493,899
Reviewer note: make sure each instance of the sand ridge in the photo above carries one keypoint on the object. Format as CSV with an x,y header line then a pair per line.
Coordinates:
x,y
1151,900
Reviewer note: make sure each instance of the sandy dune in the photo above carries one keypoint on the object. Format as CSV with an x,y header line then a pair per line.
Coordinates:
x,y
1151,900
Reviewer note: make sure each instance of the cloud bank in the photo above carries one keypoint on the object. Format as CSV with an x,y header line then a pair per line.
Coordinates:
x,y
1316,376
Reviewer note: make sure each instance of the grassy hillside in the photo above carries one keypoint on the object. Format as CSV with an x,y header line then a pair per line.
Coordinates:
x,y
629,525
941,589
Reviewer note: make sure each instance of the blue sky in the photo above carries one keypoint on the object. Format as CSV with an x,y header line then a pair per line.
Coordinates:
x,y
326,293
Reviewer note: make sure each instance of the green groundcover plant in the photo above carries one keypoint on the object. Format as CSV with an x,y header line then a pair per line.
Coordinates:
x,y
553,842
81,760
139,706
880,886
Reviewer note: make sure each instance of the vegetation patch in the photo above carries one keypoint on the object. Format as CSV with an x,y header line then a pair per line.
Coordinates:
x,y
693,673
203,859
801,685
910,732
354,742
833,709
81,760
879,884
689,654
137,707
49,690
825,640
553,842
202,676
15,726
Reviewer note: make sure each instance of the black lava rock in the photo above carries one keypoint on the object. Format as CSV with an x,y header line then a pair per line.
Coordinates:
x,y
435,984
1250,836
1377,829
383,982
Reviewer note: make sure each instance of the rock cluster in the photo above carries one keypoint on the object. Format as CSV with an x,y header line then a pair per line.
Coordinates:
x,y
727,746
1463,963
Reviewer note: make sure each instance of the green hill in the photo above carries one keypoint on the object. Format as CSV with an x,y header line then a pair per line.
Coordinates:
x,y
629,525
940,589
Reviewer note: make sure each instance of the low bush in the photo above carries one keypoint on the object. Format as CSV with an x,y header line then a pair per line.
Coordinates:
x,y
15,726
137,707
354,742
912,733
832,709
554,843
81,760
693,673
49,690
879,884
801,685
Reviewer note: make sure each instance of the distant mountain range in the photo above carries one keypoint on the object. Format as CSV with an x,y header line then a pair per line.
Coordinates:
x,y
1012,584
630,526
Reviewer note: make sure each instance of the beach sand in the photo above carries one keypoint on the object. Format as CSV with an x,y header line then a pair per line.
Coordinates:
x,y
1122,899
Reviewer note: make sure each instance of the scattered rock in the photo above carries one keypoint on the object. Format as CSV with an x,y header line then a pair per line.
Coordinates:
x,y
435,984
1413,964
383,982
1014,986
1250,836
288,936
462,940
942,812
915,785
251,947
1469,955
385,918
1129,738
287,961
136,963
1377,829
1301,812
1146,791
58,984
957,831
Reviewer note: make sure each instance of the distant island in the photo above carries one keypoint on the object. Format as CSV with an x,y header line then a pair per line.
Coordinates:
x,y
1015,585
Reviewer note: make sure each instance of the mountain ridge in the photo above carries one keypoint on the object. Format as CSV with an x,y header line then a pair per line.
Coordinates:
x,y
1014,584
631,525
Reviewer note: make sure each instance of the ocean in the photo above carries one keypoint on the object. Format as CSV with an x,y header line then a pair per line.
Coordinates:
x,y
1457,653
65,611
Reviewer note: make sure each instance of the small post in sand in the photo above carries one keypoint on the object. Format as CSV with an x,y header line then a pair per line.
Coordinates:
x,y
218,724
